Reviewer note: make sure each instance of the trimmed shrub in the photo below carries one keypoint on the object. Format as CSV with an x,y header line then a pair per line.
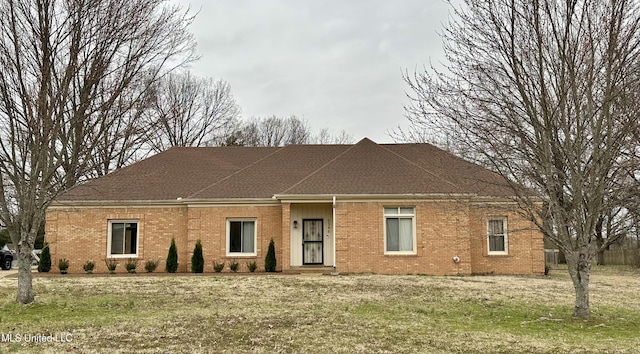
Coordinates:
x,y
197,260
234,266
150,265
88,266
270,261
252,266
45,260
63,265
172,258
218,267
131,265
111,265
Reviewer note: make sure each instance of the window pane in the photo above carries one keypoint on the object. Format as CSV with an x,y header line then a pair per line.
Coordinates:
x,y
496,243
496,227
131,238
235,236
406,234
393,231
248,235
117,238
406,210
390,211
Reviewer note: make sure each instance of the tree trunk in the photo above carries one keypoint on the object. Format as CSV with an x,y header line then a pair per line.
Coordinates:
x,y
601,259
579,270
600,241
25,288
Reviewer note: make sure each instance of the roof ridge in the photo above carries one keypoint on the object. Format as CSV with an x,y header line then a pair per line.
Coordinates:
x,y
420,167
319,168
278,149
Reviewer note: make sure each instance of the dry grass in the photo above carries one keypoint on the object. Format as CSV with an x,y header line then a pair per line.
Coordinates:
x,y
345,314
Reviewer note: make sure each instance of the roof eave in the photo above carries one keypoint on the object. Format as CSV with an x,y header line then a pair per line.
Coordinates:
x,y
365,197
179,202
63,204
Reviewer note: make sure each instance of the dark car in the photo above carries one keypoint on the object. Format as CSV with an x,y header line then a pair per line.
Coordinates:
x,y
6,258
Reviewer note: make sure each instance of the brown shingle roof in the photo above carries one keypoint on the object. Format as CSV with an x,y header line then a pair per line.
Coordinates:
x,y
368,168
175,173
248,172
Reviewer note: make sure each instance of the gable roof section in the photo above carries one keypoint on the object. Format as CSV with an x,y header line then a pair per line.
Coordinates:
x,y
369,168
261,173
468,176
175,173
273,174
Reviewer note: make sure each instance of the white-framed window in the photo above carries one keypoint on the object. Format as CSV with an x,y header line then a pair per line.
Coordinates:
x,y
399,230
241,237
122,239
497,239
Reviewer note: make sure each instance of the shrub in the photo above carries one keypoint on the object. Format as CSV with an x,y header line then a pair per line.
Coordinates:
x,y
270,260
150,265
197,260
233,265
63,265
218,267
252,266
111,265
172,258
131,265
88,266
4,237
45,260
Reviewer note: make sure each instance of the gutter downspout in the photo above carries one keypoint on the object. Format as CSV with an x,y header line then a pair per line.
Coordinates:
x,y
334,233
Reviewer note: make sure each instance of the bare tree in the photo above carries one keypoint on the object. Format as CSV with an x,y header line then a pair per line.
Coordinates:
x,y
546,93
270,131
189,111
73,73
324,136
278,131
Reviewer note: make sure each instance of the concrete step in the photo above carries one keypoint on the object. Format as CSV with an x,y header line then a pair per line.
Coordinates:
x,y
310,269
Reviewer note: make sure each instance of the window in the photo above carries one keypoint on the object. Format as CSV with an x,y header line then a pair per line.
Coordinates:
x,y
123,238
400,234
497,236
241,237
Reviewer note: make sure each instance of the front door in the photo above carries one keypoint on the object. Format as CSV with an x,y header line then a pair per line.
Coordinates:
x,y
312,241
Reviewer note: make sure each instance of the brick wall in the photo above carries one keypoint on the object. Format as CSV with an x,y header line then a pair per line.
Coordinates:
x,y
443,230
525,244
80,234
210,226
441,234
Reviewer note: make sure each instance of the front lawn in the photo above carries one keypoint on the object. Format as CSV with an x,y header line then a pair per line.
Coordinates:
x,y
321,314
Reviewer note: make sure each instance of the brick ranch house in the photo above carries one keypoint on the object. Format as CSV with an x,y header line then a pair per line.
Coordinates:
x,y
367,207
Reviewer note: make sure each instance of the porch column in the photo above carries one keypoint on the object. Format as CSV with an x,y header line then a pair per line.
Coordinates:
x,y
285,257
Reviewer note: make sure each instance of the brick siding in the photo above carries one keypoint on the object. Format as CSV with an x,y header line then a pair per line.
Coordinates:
x,y
443,230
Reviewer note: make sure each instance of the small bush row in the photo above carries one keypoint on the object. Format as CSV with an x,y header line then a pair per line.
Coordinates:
x,y
234,266
171,266
130,265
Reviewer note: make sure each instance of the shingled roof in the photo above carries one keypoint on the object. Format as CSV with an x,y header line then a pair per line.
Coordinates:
x,y
296,170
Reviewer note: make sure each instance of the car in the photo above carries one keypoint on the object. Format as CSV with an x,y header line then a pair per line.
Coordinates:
x,y
6,258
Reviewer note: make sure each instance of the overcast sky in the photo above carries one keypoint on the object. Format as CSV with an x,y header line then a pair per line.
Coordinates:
x,y
336,64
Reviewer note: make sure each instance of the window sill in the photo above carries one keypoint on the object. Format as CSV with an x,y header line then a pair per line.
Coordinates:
x,y
241,255
498,255
400,254
121,256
